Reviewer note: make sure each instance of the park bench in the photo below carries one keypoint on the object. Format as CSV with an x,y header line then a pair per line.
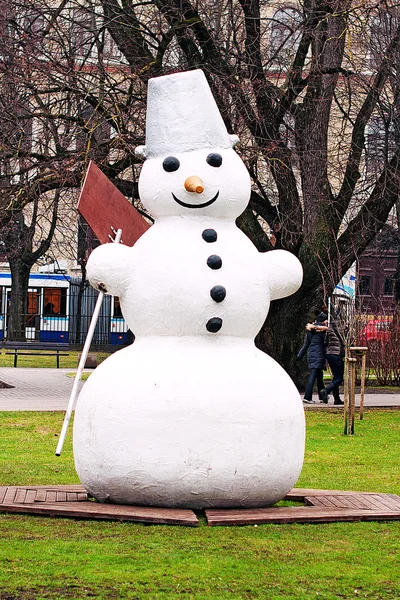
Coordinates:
x,y
36,348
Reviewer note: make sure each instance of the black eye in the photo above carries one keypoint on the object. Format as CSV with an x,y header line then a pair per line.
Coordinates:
x,y
214,160
171,164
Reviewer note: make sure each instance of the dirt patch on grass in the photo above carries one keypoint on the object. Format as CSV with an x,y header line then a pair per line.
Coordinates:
x,y
376,389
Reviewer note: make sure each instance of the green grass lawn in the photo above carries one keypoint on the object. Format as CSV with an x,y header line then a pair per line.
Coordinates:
x,y
64,558
42,361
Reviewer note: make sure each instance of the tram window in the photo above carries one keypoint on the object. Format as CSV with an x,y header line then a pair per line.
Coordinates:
x,y
117,307
33,308
55,301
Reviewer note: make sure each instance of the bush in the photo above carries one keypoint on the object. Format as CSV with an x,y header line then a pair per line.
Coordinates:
x,y
384,357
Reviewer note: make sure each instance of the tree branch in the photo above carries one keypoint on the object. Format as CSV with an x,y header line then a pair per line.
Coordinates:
x,y
352,173
372,214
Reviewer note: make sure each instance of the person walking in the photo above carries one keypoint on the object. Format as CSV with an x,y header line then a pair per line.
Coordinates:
x,y
335,356
314,345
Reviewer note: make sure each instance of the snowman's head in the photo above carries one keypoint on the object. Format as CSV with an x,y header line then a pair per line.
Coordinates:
x,y
210,182
191,167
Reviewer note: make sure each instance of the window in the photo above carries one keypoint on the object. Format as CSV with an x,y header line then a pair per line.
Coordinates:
x,y
82,36
55,302
365,284
380,142
382,131
33,308
388,286
284,35
383,27
33,22
117,312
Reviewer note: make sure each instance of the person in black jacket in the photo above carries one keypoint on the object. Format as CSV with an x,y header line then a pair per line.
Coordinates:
x,y
314,345
335,356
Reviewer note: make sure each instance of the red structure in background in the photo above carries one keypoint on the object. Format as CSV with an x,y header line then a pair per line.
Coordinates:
x,y
376,330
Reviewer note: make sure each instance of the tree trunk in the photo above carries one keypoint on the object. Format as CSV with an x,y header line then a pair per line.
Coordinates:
x,y
282,334
18,301
79,301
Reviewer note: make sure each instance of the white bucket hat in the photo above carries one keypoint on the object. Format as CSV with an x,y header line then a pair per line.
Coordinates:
x,y
182,116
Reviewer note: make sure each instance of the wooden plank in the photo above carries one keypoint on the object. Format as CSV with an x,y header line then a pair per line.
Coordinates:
x,y
20,495
10,495
51,496
368,502
115,512
72,496
387,501
300,493
81,497
346,501
3,490
373,503
321,501
57,488
354,501
30,496
363,501
295,514
103,206
41,495
337,502
61,496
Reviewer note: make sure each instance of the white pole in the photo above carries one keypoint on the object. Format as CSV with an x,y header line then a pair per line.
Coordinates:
x,y
82,362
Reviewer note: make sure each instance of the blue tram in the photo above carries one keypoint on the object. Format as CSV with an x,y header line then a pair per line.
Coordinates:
x,y
52,312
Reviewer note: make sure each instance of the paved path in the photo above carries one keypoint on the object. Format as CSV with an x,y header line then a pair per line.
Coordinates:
x,y
36,389
370,400
50,389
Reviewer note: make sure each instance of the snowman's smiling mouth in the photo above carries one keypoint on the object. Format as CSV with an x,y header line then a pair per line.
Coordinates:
x,y
203,205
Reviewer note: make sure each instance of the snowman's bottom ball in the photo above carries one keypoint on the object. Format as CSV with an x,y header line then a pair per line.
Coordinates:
x,y
177,424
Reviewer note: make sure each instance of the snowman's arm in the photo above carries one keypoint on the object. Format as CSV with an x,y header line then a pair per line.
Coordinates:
x,y
284,272
109,268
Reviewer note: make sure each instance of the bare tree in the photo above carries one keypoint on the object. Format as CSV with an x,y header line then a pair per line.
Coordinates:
x,y
19,237
303,86
51,125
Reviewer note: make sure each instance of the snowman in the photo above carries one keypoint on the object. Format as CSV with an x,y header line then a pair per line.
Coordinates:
x,y
192,414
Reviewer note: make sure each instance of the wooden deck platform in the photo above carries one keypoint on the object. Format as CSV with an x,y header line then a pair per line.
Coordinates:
x,y
314,506
73,501
317,506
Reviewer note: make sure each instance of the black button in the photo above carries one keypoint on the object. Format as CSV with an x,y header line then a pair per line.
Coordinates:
x,y
218,293
213,325
214,261
209,235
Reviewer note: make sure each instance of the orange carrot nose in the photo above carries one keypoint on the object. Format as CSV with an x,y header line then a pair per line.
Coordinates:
x,y
194,184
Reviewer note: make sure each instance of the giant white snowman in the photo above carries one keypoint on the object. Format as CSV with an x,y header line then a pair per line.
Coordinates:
x,y
192,414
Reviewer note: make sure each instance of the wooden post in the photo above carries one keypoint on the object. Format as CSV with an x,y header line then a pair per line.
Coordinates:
x,y
352,395
363,370
361,351
346,390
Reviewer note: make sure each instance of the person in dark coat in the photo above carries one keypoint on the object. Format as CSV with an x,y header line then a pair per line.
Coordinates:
x,y
314,345
335,356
